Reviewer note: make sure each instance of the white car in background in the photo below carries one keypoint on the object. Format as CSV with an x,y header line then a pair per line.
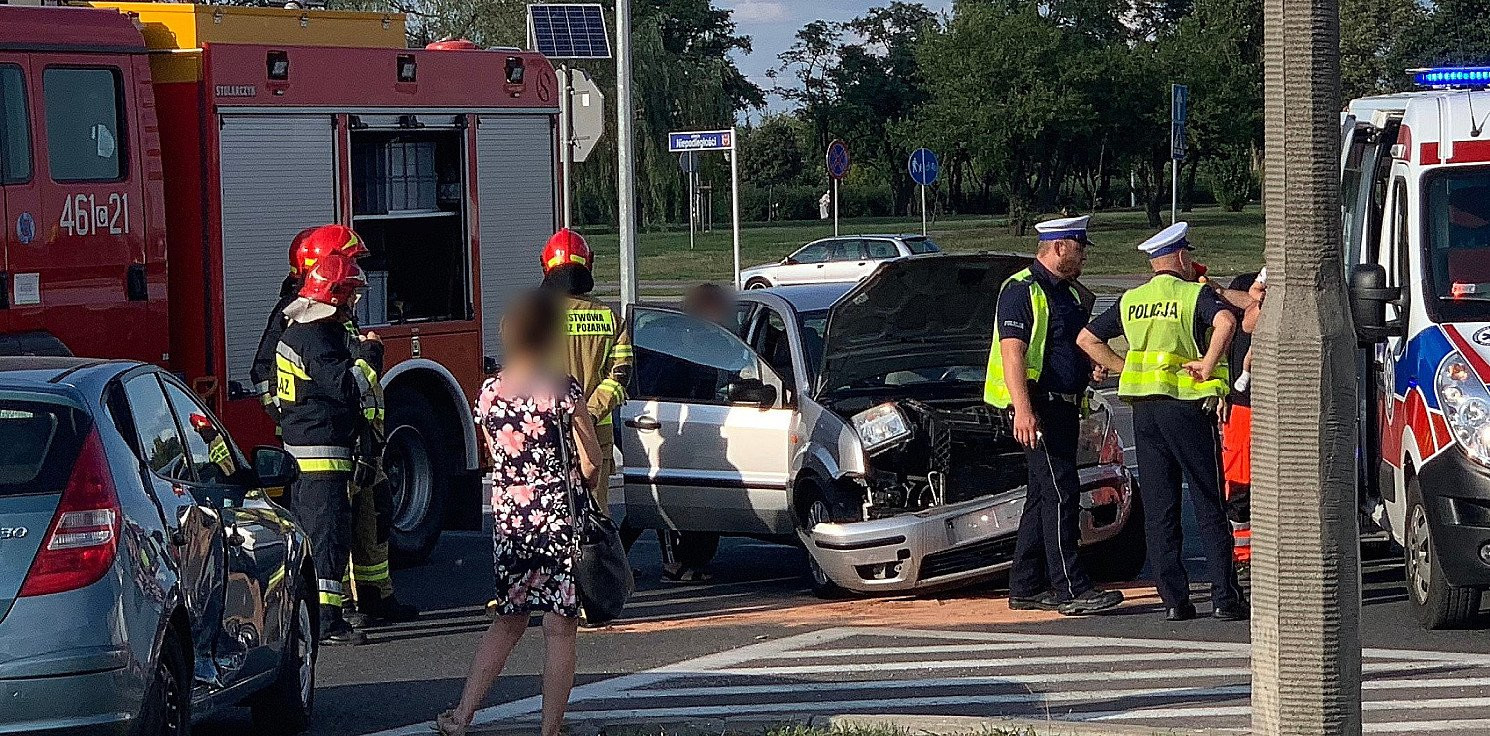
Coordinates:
x,y
832,260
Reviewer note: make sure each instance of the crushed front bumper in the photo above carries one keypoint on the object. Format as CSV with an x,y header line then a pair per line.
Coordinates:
x,y
956,544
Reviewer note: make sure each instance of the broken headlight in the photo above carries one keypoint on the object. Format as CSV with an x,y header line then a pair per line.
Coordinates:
x,y
881,426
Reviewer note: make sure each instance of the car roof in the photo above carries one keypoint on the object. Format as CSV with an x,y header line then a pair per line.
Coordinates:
x,y
82,373
806,297
890,236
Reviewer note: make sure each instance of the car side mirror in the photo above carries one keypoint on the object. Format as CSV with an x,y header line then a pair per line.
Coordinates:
x,y
788,261
275,467
752,391
1369,296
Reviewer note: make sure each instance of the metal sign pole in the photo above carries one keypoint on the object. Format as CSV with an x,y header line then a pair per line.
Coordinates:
x,y
692,206
1174,191
923,210
835,207
627,164
734,194
566,140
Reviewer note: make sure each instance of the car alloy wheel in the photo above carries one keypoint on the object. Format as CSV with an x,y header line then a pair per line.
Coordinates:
x,y
817,513
305,651
1419,555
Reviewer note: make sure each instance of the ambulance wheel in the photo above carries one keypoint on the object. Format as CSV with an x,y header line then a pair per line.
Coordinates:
x,y
418,460
1438,605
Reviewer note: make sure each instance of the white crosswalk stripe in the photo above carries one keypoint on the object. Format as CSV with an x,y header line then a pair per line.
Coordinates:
x,y
1192,684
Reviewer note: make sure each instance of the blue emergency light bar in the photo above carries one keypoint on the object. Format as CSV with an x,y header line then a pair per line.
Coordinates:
x,y
1463,76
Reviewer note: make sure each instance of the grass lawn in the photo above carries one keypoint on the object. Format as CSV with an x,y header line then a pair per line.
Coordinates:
x,y
1228,242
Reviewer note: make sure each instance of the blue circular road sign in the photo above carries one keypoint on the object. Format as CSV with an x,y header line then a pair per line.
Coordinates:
x,y
923,166
838,159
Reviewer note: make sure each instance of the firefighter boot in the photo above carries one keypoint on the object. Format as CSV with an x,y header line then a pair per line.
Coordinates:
x,y
335,631
384,608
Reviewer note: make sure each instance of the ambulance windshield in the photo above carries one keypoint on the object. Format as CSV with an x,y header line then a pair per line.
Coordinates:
x,y
1458,227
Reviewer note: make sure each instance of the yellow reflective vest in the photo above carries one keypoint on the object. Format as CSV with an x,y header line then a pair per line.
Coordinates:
x,y
1159,323
599,354
995,390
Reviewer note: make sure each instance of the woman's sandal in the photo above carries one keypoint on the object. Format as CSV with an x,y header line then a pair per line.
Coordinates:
x,y
686,575
445,725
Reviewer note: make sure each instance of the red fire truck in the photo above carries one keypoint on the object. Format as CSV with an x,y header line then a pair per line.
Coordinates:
x,y
156,159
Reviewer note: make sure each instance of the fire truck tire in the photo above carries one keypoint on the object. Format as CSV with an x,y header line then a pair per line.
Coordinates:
x,y
419,460
1438,604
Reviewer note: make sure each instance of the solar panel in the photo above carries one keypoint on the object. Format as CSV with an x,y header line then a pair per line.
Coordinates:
x,y
568,31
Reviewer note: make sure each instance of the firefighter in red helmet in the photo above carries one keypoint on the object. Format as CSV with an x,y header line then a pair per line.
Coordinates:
x,y
370,587
598,348
320,418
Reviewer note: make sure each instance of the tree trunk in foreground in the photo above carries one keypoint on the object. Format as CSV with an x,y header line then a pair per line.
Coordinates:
x,y
1306,653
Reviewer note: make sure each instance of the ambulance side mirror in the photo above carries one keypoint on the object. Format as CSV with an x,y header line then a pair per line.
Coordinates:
x,y
1369,296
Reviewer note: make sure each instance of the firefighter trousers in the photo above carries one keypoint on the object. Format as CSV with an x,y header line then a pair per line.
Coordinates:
x,y
606,434
319,502
369,571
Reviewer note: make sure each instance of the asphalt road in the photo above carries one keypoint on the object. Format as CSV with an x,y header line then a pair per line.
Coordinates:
x,y
753,641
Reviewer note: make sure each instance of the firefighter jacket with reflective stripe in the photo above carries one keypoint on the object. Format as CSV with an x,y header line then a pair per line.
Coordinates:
x,y
262,371
995,390
1159,323
367,372
599,354
318,395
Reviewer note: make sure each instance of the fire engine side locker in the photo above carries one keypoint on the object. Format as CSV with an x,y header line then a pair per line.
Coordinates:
x,y
515,183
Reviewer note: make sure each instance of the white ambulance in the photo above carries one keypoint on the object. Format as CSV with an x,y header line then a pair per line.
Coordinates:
x,y
1416,199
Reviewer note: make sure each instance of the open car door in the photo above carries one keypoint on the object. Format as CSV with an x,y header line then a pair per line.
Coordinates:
x,y
704,434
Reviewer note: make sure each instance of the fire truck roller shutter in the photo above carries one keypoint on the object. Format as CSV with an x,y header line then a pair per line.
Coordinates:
x,y
515,191
278,176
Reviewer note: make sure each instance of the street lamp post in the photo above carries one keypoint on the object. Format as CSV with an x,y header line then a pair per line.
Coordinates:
x,y
1306,652
625,158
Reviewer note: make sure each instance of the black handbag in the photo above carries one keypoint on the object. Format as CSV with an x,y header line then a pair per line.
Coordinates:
x,y
602,572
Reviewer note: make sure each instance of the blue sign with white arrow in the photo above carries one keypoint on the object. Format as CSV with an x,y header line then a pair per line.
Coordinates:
x,y
923,166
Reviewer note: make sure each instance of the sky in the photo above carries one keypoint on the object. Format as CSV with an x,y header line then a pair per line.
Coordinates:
x,y
771,24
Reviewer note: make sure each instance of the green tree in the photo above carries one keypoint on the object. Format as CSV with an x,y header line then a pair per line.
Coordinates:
x,y
1377,40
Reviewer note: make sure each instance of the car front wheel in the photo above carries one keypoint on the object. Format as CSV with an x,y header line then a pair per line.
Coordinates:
x,y
817,512
1438,604
284,707
757,283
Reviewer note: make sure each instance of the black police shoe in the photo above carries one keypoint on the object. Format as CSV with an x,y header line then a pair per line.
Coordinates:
x,y
1095,600
1233,612
335,631
1044,602
1182,612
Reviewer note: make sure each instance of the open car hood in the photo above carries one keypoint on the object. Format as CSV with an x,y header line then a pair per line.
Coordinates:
x,y
913,314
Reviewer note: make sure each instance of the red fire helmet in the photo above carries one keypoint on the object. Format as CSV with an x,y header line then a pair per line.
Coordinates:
x,y
200,422
565,247
313,244
334,280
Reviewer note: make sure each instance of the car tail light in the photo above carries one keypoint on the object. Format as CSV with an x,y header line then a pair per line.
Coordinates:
x,y
79,547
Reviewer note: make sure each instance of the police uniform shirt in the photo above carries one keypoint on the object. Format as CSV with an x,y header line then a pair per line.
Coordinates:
x,y
1109,324
1067,369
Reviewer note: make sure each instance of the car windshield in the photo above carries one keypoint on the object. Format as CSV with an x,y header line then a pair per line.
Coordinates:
x,y
922,245
1457,221
42,441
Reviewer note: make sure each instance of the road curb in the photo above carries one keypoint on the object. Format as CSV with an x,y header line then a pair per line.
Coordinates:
x,y
950,725
910,725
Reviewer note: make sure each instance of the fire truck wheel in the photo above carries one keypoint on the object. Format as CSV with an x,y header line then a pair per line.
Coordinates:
x,y
418,460
1438,604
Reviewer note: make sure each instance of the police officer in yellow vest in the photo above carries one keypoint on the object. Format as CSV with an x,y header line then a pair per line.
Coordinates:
x,y
1040,313
1173,375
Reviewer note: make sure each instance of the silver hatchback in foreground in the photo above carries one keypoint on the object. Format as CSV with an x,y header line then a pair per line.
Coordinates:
x,y
145,577
850,419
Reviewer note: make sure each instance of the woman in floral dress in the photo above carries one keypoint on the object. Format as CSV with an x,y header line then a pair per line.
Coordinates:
x,y
520,412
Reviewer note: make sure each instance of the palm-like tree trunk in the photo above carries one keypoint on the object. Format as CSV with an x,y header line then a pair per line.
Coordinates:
x,y
1306,665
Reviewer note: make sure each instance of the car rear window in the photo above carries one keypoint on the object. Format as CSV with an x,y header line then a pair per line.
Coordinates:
x,y
42,441
921,245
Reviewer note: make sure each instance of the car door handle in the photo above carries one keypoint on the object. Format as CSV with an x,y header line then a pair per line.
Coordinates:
x,y
820,265
644,423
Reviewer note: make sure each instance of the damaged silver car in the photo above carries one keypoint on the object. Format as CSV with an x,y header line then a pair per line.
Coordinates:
x,y
849,418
